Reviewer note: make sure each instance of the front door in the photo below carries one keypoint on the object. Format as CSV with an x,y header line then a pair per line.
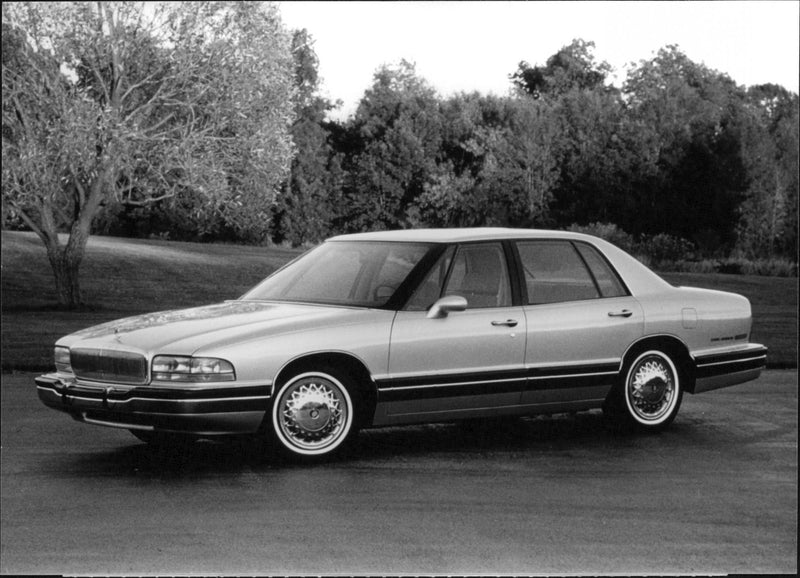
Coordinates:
x,y
466,362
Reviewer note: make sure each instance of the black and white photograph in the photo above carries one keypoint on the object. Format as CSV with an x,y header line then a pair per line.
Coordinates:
x,y
402,288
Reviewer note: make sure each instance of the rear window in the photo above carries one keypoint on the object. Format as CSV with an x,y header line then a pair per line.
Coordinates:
x,y
554,272
607,280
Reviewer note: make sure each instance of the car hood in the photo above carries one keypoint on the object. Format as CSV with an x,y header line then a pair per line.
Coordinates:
x,y
190,331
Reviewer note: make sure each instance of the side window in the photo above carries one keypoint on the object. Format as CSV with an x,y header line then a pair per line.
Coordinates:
x,y
479,274
431,287
607,280
554,272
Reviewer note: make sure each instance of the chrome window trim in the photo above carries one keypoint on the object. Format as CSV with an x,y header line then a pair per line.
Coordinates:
x,y
424,374
735,348
577,364
185,401
432,385
573,375
522,377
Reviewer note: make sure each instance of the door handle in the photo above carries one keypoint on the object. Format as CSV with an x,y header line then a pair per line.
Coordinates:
x,y
623,313
507,322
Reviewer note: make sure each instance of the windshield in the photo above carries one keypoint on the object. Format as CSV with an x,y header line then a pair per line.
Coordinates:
x,y
361,274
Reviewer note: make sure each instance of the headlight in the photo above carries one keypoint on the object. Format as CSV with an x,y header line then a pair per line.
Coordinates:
x,y
63,364
191,369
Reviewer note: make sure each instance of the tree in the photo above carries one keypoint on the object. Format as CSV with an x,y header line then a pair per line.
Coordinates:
x,y
398,130
692,171
574,66
770,140
590,136
116,102
599,164
501,163
310,197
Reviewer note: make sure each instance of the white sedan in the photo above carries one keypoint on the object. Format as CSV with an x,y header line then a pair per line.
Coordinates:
x,y
412,326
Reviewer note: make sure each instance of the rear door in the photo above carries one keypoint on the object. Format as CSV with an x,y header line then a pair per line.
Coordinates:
x,y
580,320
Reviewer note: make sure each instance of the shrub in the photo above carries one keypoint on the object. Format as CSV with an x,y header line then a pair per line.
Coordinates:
x,y
644,260
608,232
732,266
768,267
704,266
668,253
662,248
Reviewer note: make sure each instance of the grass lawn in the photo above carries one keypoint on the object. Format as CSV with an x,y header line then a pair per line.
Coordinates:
x,y
122,277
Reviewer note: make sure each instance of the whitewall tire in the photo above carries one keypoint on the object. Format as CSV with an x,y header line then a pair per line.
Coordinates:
x,y
313,414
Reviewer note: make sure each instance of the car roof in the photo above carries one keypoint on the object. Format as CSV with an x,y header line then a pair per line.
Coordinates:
x,y
459,235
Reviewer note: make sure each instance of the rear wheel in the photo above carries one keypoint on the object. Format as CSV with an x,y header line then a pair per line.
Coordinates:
x,y
313,414
650,395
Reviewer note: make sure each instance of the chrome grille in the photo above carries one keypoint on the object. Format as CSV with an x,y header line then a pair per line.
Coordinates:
x,y
110,366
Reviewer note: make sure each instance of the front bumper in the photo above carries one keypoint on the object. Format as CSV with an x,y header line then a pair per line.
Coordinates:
x,y
199,411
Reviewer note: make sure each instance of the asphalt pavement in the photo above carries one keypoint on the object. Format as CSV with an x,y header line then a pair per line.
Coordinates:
x,y
716,493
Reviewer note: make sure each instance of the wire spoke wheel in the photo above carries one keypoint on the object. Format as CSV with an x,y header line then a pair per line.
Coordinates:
x,y
652,389
312,414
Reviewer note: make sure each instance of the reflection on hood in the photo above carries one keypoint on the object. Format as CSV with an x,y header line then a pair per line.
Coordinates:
x,y
166,317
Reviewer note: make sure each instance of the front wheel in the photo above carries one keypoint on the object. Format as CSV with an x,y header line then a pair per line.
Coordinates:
x,y
313,414
650,394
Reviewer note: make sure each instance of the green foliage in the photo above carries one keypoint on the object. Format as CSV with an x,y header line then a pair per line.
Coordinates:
x,y
691,175
734,266
501,164
662,248
770,141
680,164
310,197
572,67
669,253
599,158
398,130
110,104
764,267
444,201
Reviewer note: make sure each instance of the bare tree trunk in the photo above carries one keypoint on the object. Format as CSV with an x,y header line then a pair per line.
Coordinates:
x,y
65,261
66,277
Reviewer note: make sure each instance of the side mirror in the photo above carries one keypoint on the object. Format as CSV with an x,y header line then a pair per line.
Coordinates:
x,y
445,305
